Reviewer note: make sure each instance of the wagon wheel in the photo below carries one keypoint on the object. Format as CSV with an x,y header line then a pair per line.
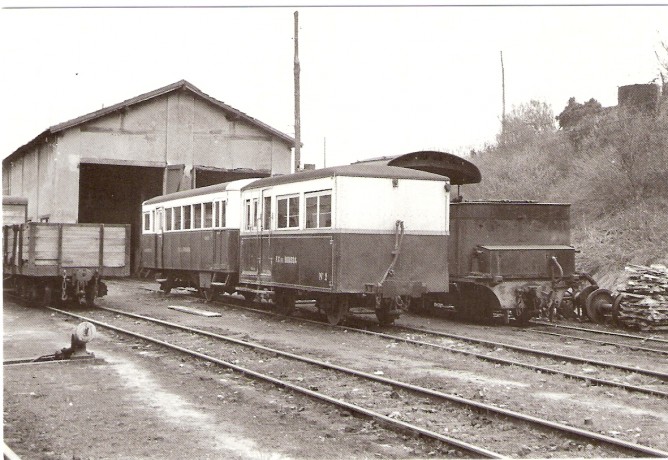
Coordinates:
x,y
337,310
284,302
580,299
48,296
33,293
596,303
209,294
90,293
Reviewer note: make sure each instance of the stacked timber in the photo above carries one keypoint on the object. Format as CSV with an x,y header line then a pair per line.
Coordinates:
x,y
643,302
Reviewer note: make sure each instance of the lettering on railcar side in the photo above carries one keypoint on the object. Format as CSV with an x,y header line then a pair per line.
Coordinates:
x,y
285,259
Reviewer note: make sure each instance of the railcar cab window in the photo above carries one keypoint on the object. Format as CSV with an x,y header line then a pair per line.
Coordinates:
x,y
319,209
287,211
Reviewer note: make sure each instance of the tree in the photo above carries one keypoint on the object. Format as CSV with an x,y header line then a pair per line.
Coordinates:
x,y
526,121
579,120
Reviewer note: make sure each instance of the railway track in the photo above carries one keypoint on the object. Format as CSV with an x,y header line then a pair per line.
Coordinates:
x,y
558,358
633,337
388,394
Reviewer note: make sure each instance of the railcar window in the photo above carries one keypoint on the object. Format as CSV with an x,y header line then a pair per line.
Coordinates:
x,y
187,221
177,218
208,215
147,222
197,216
266,224
319,210
248,214
287,212
223,212
256,213
168,219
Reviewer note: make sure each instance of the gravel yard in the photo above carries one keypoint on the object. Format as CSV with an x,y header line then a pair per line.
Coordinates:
x,y
137,400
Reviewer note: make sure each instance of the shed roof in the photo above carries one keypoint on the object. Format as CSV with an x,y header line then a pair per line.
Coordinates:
x,y
354,170
179,85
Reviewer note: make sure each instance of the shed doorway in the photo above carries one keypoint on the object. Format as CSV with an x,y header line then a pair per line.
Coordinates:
x,y
113,194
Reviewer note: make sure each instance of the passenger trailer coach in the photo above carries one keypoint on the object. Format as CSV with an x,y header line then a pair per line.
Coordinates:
x,y
354,238
191,238
357,237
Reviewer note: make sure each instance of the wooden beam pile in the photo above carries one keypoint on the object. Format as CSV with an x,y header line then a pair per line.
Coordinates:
x,y
644,301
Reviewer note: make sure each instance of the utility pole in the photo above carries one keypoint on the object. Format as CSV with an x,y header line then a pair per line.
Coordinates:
x,y
297,109
503,97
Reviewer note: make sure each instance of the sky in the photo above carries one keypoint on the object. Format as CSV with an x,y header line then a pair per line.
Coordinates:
x,y
374,80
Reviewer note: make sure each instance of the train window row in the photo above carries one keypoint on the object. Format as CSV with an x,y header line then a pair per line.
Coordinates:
x,y
318,211
211,214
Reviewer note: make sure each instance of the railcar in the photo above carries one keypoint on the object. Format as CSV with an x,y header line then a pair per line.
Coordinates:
x,y
508,257
356,238
191,238
513,257
47,263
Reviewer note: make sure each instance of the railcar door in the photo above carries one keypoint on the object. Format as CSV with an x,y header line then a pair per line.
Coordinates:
x,y
159,243
265,265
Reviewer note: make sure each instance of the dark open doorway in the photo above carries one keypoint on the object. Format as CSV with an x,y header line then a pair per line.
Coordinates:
x,y
113,194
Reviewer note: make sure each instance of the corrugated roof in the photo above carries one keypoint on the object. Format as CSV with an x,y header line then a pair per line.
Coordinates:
x,y
182,84
354,170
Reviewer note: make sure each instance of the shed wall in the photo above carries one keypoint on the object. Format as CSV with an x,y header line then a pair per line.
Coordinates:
x,y
177,128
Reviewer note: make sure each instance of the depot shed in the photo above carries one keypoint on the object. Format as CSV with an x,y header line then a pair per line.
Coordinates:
x,y
100,167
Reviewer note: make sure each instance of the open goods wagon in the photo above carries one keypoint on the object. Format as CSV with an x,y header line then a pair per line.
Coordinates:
x,y
51,262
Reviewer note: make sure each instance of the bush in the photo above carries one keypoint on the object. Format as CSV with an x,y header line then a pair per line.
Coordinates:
x,y
616,180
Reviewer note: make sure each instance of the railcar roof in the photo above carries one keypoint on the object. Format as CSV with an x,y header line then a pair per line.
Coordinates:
x,y
354,170
215,188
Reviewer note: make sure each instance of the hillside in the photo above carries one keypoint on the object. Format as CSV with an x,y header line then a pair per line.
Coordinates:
x,y
615,175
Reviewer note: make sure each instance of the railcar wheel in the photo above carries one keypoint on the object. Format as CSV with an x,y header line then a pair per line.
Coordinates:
x,y
337,311
284,302
597,302
580,299
615,308
209,294
384,313
248,296
166,286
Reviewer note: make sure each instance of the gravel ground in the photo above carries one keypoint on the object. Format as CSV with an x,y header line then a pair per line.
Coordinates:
x,y
137,401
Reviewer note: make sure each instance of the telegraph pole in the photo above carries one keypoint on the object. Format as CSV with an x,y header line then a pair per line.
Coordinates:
x,y
297,109
503,97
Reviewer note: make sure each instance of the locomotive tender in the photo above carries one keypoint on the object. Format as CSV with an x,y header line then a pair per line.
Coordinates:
x,y
354,238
